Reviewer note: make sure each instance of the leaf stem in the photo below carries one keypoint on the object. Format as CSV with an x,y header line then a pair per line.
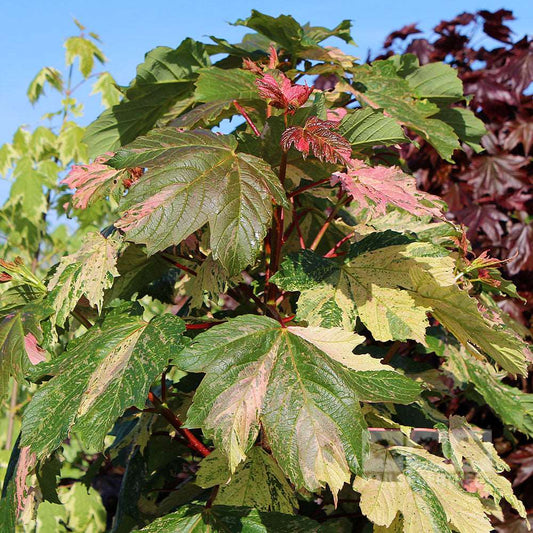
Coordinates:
x,y
246,117
191,441
179,265
276,238
296,192
332,252
327,223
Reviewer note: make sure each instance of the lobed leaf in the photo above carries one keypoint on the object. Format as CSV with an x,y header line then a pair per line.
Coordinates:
x,y
195,178
99,376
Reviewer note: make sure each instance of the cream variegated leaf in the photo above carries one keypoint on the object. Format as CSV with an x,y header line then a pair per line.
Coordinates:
x,y
460,443
87,272
420,487
374,285
101,374
258,482
301,385
459,313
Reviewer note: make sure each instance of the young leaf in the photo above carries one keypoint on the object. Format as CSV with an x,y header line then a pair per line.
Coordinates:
x,y
281,93
87,272
300,384
107,87
195,178
375,188
95,181
46,75
327,145
86,51
420,486
258,482
101,374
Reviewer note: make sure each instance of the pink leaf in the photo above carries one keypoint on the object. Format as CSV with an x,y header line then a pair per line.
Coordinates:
x,y
34,351
374,188
96,180
282,93
317,135
25,463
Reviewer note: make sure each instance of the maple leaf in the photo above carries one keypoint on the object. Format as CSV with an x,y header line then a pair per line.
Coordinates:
x,y
409,29
494,175
195,178
523,458
420,486
518,69
519,248
520,132
493,25
282,93
375,188
327,145
95,180
258,373
486,217
87,272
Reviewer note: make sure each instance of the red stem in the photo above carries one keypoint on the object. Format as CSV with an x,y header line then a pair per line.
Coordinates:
x,y
246,117
296,192
202,325
180,266
191,441
331,253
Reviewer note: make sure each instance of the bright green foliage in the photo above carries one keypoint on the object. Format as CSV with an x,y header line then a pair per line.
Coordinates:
x,y
246,325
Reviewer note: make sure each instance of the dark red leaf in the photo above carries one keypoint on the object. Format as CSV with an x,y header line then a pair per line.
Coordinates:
x,y
485,217
493,25
496,174
409,29
519,245
317,135
523,458
520,132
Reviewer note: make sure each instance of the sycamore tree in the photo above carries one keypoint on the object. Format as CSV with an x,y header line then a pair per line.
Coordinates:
x,y
253,318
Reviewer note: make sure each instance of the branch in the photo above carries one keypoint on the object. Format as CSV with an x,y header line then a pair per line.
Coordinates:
x,y
191,441
246,117
327,223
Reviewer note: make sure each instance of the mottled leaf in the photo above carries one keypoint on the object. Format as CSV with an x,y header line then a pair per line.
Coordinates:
x,y
296,384
420,486
99,376
195,178
87,272
258,482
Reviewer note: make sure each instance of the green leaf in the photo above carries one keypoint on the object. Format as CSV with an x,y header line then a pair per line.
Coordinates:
x,y
466,125
436,81
380,86
19,335
47,75
222,519
195,178
87,272
367,127
258,482
107,87
301,384
71,144
86,51
459,442
420,486
373,286
459,314
512,406
48,473
102,373
215,84
165,77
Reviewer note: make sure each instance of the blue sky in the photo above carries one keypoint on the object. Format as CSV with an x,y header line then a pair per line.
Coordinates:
x,y
32,33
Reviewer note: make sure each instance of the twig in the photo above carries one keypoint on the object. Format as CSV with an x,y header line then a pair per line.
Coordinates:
x,y
327,223
296,192
246,117
191,441
331,253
